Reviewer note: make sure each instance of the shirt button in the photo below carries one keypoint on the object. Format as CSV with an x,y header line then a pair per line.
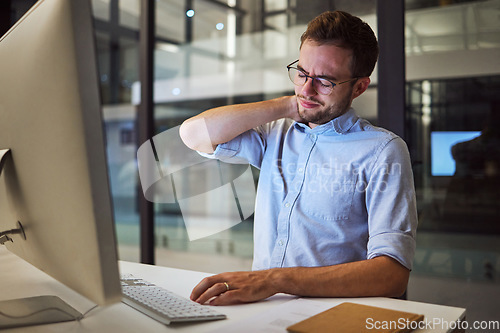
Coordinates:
x,y
287,205
312,136
301,170
280,243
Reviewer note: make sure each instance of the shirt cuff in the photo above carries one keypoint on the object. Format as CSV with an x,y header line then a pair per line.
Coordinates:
x,y
399,246
227,152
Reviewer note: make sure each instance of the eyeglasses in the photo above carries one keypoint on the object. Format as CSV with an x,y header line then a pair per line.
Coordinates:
x,y
321,86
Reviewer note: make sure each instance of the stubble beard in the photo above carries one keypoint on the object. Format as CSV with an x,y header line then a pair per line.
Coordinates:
x,y
323,114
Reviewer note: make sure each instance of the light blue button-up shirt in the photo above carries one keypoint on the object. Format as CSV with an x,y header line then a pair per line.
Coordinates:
x,y
340,192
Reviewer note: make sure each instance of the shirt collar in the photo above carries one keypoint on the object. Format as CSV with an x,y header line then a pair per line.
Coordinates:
x,y
340,125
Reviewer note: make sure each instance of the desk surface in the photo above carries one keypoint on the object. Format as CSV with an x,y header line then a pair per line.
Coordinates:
x,y
20,279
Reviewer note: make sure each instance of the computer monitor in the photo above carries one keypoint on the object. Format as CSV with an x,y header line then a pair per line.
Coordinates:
x,y
54,180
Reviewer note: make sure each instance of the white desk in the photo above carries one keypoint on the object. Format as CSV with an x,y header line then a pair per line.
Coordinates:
x,y
20,279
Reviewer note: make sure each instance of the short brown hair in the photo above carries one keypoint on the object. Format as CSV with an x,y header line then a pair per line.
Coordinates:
x,y
347,31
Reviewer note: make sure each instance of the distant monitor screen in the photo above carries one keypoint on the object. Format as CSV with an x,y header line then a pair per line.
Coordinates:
x,y
442,162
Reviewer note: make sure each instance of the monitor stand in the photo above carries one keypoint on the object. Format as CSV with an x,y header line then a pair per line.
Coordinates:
x,y
36,310
33,310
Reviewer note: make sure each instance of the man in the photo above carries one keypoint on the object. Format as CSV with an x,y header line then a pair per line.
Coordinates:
x,y
335,211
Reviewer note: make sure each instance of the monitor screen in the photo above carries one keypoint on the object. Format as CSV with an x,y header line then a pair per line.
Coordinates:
x,y
54,179
442,162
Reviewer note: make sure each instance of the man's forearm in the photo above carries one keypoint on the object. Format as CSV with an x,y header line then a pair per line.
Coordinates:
x,y
215,126
381,276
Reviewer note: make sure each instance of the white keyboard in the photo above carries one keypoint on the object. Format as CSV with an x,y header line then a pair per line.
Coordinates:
x,y
163,305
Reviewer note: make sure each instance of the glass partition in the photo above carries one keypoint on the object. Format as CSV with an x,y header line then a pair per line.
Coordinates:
x,y
451,114
454,140
116,24
452,111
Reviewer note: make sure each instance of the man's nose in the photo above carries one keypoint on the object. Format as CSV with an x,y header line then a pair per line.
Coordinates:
x,y
308,88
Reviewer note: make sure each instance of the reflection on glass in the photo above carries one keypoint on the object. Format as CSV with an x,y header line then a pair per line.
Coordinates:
x,y
473,194
454,143
443,163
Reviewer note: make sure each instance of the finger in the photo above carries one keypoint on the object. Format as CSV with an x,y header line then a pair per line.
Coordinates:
x,y
201,287
216,290
226,298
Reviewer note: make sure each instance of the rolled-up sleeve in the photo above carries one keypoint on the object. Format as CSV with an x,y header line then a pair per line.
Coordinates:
x,y
248,147
225,150
391,205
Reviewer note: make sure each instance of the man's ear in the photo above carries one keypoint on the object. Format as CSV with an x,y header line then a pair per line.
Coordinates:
x,y
360,86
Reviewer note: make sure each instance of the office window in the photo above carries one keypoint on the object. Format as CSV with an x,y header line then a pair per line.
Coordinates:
x,y
454,132
453,79
451,113
116,29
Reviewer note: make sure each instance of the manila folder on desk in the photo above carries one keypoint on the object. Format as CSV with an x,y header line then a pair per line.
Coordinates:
x,y
353,317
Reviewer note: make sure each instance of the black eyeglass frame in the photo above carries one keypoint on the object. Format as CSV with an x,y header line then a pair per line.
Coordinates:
x,y
288,67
